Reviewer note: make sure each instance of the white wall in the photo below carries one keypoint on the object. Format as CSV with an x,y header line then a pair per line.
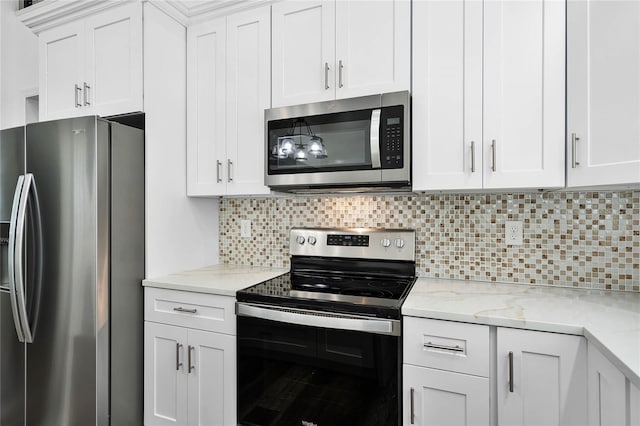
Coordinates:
x,y
182,233
19,65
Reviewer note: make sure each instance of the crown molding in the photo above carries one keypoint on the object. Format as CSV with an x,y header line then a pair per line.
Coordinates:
x,y
51,13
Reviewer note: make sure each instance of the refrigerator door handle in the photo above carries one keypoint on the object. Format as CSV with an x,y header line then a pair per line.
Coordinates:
x,y
12,256
16,277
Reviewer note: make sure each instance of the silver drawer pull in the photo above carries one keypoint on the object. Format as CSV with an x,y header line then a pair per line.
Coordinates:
x,y
455,348
186,311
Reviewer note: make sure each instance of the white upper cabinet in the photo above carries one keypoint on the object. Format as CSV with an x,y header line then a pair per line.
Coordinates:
x,y
488,94
228,89
328,49
447,95
303,52
61,73
113,57
373,47
603,93
92,65
206,147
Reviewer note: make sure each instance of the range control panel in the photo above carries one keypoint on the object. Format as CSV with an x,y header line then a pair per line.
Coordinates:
x,y
363,243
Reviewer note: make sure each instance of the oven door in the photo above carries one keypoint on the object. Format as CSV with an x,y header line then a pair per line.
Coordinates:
x,y
301,374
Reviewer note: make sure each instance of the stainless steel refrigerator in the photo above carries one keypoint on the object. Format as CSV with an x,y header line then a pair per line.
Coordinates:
x,y
72,251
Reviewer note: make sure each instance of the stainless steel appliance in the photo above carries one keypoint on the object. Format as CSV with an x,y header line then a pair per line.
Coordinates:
x,y
361,143
72,249
321,345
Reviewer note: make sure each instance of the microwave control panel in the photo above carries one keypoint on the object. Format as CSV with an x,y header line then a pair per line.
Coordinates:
x,y
392,137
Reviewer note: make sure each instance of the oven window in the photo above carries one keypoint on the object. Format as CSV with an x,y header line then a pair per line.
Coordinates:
x,y
330,142
294,375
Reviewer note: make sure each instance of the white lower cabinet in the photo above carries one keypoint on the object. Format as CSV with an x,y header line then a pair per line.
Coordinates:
x,y
541,378
451,371
613,399
189,374
445,373
438,398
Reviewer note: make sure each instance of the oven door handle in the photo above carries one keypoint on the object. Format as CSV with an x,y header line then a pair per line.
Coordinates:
x,y
320,319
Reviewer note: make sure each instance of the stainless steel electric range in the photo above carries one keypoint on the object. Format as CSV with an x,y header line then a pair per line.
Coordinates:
x,y
321,345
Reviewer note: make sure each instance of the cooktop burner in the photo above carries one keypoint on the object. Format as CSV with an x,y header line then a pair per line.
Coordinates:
x,y
348,271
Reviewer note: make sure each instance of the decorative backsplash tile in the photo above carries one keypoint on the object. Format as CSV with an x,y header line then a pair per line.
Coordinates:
x,y
579,239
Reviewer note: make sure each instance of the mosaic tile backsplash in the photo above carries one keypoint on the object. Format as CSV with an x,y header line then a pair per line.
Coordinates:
x,y
578,239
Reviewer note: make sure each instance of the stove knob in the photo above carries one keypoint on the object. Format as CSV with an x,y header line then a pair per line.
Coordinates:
x,y
300,239
399,243
311,240
385,242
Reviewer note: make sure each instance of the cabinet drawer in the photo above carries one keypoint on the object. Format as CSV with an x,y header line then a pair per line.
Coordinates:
x,y
208,312
447,345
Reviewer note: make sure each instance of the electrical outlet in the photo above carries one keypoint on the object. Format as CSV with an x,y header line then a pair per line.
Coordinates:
x,y
245,228
513,232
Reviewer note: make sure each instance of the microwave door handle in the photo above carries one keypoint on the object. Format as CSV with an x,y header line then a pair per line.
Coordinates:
x,y
374,139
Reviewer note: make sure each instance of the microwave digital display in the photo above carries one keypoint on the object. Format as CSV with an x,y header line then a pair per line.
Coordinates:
x,y
392,121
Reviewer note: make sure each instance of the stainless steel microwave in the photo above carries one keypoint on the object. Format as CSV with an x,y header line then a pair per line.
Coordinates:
x,y
350,144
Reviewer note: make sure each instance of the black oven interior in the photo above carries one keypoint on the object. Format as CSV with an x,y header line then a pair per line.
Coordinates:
x,y
289,374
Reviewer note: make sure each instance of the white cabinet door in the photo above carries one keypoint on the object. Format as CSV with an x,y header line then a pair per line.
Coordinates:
x,y
61,71
549,378
603,92
447,95
634,405
114,61
206,151
607,391
373,47
303,55
248,95
165,378
524,93
211,363
442,398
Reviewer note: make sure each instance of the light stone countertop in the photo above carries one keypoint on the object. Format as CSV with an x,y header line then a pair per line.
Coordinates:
x,y
608,319
223,280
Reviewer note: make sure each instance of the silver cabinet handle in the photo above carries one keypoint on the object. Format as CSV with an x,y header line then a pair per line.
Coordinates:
x,y
191,366
493,155
77,90
178,363
86,94
340,67
455,348
413,414
229,171
188,311
574,148
326,75
25,187
473,157
510,371
374,139
218,165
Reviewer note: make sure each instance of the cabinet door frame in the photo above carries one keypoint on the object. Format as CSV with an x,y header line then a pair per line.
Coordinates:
x,y
447,102
350,22
281,50
199,389
545,127
206,147
132,101
571,354
74,29
475,391
607,390
153,331
583,102
246,151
